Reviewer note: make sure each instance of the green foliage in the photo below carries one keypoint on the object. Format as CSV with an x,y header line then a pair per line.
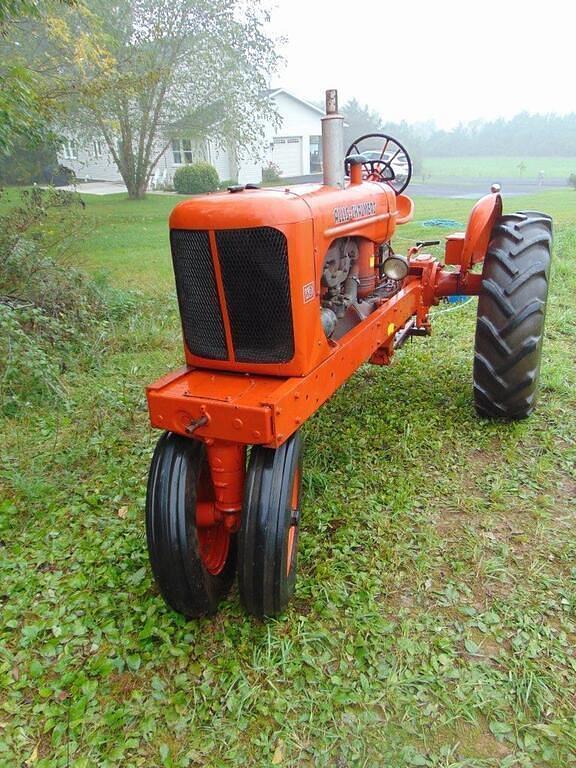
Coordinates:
x,y
26,109
17,10
21,114
271,173
196,178
28,163
572,180
50,312
435,615
225,183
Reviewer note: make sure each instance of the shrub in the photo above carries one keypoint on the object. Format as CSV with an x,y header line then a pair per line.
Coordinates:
x,y
27,164
271,173
195,179
52,316
572,180
225,183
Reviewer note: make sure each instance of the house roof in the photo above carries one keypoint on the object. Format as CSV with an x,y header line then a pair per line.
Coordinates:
x,y
271,92
197,121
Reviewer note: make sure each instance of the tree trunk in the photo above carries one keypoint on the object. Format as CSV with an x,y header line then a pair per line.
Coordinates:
x,y
136,191
136,187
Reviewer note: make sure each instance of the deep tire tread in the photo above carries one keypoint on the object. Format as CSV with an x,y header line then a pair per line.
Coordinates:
x,y
511,314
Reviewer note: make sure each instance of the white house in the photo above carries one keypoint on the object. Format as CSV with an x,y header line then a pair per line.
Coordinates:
x,y
294,147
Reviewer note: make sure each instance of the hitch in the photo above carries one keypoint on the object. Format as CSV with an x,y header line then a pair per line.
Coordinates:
x,y
410,329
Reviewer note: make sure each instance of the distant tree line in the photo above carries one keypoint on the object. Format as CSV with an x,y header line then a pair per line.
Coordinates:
x,y
525,135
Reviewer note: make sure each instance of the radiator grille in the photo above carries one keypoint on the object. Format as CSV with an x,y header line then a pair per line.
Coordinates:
x,y
254,266
197,294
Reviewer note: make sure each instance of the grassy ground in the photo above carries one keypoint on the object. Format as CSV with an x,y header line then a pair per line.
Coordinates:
x,y
500,167
434,622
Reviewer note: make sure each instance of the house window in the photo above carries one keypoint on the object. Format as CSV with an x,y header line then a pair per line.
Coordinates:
x,y
187,150
97,148
184,152
70,149
315,154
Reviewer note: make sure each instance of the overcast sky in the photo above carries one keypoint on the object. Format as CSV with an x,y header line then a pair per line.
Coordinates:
x,y
442,60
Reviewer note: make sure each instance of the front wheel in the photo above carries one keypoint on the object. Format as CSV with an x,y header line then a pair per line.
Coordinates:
x,y
511,313
268,537
193,558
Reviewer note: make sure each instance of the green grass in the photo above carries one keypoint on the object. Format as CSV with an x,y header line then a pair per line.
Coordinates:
x,y
494,168
434,622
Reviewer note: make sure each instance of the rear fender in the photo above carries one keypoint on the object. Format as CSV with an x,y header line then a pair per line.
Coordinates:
x,y
470,248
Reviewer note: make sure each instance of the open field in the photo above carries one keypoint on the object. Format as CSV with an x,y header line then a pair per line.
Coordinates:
x,y
494,168
434,622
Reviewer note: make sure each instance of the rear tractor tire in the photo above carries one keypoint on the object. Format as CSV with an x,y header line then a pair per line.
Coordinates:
x,y
193,565
511,314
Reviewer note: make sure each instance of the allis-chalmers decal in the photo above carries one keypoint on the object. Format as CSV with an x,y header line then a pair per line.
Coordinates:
x,y
351,212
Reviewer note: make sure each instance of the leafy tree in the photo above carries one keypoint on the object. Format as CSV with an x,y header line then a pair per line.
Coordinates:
x,y
360,120
171,67
25,104
29,162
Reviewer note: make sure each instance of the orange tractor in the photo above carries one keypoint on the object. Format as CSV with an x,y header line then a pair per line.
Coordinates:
x,y
283,293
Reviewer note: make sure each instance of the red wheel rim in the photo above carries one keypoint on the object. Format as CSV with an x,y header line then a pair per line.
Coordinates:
x,y
293,530
213,540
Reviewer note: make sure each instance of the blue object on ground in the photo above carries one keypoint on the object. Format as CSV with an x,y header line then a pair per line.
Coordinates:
x,y
444,223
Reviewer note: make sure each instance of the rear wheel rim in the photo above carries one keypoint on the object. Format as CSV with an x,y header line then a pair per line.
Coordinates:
x,y
292,538
213,540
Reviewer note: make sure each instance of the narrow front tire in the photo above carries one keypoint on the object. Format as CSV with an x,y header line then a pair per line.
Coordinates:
x,y
268,537
193,565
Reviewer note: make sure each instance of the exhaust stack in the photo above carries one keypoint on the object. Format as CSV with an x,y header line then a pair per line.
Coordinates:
x,y
333,142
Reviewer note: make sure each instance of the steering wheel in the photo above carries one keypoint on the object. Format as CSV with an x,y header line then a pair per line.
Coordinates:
x,y
386,160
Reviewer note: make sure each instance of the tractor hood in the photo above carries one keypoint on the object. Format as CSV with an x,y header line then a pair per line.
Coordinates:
x,y
285,205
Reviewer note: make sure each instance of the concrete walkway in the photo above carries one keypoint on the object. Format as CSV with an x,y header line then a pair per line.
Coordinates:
x,y
97,187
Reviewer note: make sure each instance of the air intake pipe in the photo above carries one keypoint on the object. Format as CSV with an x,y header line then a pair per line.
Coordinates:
x,y
333,142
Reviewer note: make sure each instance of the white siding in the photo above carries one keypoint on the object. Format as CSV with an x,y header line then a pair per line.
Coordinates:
x,y
219,158
89,166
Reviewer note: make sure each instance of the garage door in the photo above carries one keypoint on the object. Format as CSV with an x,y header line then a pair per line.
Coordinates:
x,y
287,155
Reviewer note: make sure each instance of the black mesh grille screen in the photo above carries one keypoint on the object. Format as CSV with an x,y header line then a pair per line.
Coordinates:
x,y
197,295
254,265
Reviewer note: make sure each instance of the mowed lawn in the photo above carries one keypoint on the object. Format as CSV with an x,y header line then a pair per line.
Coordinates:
x,y
434,622
495,167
